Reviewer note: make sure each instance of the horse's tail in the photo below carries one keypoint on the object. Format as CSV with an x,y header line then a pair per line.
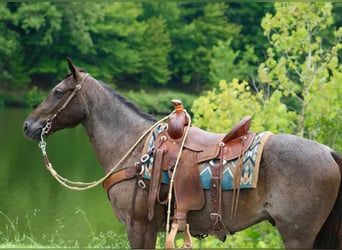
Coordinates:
x,y
330,235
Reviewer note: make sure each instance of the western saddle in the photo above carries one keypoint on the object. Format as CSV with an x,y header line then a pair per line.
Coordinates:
x,y
190,146
199,146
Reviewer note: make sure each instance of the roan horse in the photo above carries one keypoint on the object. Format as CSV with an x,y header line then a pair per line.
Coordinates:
x,y
299,180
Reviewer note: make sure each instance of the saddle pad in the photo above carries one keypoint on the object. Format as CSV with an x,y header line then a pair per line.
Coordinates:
x,y
250,170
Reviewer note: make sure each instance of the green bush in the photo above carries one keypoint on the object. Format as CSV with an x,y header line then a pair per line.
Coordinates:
x,y
159,103
34,97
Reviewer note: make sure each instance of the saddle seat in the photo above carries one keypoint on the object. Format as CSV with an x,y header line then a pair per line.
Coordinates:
x,y
206,144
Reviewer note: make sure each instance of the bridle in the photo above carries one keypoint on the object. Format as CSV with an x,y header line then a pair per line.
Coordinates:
x,y
48,123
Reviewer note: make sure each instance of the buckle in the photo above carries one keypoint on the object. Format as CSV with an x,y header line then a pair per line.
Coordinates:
x,y
216,214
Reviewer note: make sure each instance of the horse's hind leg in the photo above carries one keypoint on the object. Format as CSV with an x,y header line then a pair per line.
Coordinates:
x,y
301,189
295,236
300,214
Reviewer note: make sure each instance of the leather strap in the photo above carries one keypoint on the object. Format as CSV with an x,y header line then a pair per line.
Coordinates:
x,y
119,176
217,225
155,182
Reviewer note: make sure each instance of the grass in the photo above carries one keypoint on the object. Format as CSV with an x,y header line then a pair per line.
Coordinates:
x,y
12,235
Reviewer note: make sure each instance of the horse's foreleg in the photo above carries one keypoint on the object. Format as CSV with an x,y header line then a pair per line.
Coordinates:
x,y
142,234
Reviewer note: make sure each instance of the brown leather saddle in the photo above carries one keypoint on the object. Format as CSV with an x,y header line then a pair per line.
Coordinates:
x,y
199,146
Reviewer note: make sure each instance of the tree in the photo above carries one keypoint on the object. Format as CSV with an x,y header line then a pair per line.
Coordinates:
x,y
305,67
249,16
225,63
12,75
203,26
154,52
220,109
130,47
51,31
116,38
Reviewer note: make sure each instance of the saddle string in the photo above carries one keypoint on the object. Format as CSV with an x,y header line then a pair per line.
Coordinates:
x,y
175,169
237,180
78,185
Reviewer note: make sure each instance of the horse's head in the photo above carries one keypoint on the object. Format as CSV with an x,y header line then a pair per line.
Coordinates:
x,y
61,109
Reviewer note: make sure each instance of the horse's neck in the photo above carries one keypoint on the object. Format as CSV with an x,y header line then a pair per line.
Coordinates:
x,y
113,127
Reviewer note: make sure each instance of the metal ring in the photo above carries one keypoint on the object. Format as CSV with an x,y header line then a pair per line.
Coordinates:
x,y
216,214
221,144
211,162
144,158
142,169
141,184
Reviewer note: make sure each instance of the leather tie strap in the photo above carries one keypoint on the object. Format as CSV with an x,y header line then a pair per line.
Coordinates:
x,y
217,225
155,183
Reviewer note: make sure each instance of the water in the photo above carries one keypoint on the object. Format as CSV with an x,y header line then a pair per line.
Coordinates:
x,y
33,203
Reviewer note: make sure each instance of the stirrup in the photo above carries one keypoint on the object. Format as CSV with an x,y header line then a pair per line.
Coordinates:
x,y
170,238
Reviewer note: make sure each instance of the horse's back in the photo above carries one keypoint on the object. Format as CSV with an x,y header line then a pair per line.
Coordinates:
x,y
294,160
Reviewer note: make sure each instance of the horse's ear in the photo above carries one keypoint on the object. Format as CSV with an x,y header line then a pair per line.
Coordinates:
x,y
75,72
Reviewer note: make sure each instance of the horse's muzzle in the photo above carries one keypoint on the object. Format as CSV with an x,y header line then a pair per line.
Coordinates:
x,y
32,129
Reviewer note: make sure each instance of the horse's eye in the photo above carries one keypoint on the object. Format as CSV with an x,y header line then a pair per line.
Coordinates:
x,y
58,93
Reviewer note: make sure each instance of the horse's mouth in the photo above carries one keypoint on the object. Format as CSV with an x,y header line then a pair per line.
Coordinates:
x,y
32,130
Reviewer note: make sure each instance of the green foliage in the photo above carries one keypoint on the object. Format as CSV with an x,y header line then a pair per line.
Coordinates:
x,y
49,32
261,235
196,38
224,107
159,103
226,63
11,236
154,53
305,67
133,48
115,45
34,97
11,70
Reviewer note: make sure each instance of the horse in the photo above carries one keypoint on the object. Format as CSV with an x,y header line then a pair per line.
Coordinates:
x,y
298,189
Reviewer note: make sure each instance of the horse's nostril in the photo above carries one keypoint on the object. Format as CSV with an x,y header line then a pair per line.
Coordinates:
x,y
26,125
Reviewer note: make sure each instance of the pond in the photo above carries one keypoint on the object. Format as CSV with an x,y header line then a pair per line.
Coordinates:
x,y
32,203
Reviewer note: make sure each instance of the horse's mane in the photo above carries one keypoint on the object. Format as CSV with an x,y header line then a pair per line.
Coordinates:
x,y
127,102
121,98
